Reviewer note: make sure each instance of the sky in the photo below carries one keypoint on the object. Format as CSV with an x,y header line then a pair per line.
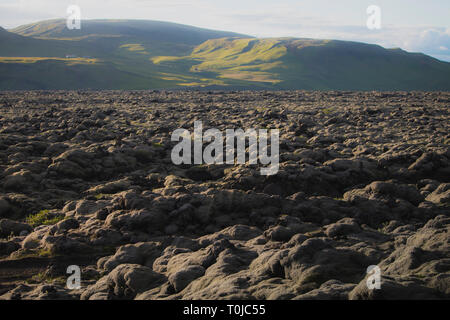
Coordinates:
x,y
413,25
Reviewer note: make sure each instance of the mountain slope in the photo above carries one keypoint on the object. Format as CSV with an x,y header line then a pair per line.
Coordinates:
x,y
30,63
346,65
143,29
139,54
315,64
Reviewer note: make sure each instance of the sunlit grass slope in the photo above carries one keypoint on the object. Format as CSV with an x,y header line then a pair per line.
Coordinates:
x,y
234,58
68,61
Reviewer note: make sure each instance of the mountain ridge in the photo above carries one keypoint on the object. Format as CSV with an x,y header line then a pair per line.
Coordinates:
x,y
146,54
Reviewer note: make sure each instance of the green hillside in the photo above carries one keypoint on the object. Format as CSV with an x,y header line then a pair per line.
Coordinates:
x,y
315,64
140,54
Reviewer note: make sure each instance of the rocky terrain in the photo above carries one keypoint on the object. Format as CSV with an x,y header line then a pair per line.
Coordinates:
x,y
87,179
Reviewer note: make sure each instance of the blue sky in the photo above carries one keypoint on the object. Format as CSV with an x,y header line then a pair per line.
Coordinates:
x,y
413,25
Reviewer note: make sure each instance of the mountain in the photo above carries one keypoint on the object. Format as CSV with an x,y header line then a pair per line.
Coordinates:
x,y
316,64
141,54
145,30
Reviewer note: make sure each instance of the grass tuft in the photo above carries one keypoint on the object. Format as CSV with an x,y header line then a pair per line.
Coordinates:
x,y
43,217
